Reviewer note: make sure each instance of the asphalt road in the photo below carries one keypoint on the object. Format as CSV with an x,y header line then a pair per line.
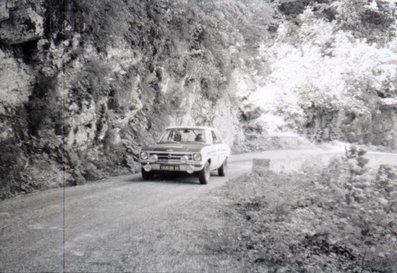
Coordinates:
x,y
124,224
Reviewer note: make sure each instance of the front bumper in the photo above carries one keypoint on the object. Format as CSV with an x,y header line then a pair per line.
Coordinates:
x,y
172,167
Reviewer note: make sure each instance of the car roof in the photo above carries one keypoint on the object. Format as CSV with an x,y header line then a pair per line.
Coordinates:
x,y
191,127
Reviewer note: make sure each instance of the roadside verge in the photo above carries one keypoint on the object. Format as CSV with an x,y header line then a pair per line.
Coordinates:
x,y
337,218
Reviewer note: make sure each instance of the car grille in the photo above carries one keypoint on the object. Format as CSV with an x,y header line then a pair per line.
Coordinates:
x,y
170,157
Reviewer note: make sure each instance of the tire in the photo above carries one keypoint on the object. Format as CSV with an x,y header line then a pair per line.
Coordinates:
x,y
146,175
222,170
204,174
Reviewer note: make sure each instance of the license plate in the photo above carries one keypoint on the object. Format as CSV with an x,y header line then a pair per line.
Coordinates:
x,y
169,168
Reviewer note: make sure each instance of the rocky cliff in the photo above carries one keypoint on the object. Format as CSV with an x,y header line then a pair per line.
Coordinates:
x,y
84,84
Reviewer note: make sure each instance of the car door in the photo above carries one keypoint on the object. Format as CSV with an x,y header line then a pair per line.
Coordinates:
x,y
217,143
223,148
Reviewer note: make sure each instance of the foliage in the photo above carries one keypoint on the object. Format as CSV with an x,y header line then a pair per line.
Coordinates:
x,y
10,165
20,174
43,109
94,80
103,20
324,64
371,20
338,219
188,39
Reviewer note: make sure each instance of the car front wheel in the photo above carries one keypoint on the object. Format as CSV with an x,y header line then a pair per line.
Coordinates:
x,y
223,168
204,174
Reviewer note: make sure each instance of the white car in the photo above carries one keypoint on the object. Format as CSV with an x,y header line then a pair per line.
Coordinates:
x,y
186,149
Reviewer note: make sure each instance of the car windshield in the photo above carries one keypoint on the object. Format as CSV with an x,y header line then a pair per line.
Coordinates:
x,y
184,135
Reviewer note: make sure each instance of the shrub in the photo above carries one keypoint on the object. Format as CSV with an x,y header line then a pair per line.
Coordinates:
x,y
93,81
43,108
337,219
319,66
104,21
12,164
371,20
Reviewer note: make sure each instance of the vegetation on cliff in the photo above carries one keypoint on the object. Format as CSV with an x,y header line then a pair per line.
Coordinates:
x,y
93,81
330,68
108,76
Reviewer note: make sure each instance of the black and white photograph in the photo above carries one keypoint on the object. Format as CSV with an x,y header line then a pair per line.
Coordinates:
x,y
198,136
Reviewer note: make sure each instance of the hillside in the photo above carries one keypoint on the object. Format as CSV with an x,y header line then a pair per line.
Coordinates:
x,y
84,84
332,73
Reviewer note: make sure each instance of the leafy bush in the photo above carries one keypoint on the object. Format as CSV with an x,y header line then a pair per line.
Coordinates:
x,y
10,163
372,20
188,39
102,20
338,219
93,81
16,173
43,111
319,66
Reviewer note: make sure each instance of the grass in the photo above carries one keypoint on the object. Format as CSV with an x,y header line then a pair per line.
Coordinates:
x,y
341,218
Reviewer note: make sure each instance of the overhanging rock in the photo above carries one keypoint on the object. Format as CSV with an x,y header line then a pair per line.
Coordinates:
x,y
388,103
23,25
4,12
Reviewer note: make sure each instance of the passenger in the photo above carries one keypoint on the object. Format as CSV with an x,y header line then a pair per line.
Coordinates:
x,y
199,138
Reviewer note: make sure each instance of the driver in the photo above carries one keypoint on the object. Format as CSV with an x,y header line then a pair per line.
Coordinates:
x,y
177,137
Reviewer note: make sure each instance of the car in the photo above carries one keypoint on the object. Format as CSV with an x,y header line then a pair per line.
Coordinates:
x,y
193,150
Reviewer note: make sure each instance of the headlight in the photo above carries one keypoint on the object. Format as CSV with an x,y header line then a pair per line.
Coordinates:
x,y
153,158
196,157
144,155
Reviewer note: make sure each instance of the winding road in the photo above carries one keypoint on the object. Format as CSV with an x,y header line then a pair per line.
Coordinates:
x,y
124,224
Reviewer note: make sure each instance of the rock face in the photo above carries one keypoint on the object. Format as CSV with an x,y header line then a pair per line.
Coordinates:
x,y
16,81
378,127
16,85
19,25
4,12
74,109
385,124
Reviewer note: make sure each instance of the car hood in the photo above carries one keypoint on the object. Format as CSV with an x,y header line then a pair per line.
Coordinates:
x,y
175,147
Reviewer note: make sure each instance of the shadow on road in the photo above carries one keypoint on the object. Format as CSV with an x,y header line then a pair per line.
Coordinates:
x,y
169,179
